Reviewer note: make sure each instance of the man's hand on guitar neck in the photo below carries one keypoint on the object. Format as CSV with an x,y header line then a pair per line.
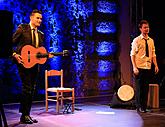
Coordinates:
x,y
18,58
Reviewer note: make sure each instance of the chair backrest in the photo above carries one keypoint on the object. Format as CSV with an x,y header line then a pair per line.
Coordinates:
x,y
49,73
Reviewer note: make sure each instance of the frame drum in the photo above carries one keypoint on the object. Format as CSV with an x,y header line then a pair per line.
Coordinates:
x,y
125,92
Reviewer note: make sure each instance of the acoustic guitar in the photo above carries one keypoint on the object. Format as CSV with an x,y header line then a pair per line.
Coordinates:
x,y
31,55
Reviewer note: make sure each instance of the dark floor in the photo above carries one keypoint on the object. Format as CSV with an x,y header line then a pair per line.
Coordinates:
x,y
87,114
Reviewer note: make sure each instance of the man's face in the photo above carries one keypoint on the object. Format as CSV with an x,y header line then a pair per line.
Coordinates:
x,y
36,19
144,29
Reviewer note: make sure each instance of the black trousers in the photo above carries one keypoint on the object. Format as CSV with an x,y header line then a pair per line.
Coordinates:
x,y
142,81
29,80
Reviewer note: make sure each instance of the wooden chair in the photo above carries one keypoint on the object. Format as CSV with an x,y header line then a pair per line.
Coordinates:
x,y
58,94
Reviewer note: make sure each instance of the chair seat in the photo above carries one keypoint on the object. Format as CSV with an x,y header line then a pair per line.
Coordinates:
x,y
55,89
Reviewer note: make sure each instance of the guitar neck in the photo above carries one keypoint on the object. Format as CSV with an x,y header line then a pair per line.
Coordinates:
x,y
40,55
64,53
57,54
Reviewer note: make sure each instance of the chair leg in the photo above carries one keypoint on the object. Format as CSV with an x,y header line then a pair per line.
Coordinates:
x,y
46,103
62,102
60,99
57,102
73,100
72,107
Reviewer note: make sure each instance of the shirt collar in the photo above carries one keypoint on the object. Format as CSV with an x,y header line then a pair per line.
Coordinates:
x,y
142,37
32,27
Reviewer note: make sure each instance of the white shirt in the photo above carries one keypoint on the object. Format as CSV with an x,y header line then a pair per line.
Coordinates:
x,y
139,51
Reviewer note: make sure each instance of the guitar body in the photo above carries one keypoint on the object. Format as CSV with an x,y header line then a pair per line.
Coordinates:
x,y
29,56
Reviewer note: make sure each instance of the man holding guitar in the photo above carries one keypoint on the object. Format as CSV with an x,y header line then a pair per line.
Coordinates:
x,y
28,34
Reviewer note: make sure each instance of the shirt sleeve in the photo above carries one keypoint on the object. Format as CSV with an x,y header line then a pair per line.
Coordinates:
x,y
15,38
153,50
134,48
17,34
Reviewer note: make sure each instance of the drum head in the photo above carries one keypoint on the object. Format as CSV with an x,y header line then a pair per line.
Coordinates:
x,y
125,92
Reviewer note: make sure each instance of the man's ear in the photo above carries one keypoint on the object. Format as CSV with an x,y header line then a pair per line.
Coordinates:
x,y
30,17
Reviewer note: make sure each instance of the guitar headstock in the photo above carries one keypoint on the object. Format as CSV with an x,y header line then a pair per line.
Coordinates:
x,y
65,53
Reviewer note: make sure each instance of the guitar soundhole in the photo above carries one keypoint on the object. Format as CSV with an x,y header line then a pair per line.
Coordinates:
x,y
28,56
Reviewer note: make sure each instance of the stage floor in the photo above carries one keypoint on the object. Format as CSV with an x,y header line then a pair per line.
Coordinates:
x,y
87,114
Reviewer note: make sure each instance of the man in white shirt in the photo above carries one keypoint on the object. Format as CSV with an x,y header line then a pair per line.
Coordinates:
x,y
142,56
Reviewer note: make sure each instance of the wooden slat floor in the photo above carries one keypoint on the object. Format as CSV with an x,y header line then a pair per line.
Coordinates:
x,y
87,114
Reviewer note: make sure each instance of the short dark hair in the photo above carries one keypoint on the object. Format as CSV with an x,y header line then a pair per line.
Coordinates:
x,y
35,11
143,22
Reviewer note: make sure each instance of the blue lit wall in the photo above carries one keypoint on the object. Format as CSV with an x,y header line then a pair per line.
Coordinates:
x,y
67,25
105,47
